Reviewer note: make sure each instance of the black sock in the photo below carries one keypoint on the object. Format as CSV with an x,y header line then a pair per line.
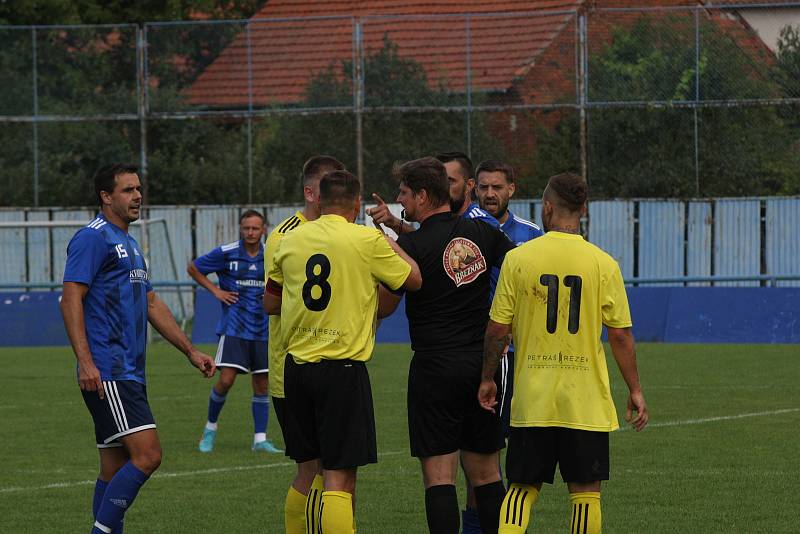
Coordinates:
x,y
490,499
441,508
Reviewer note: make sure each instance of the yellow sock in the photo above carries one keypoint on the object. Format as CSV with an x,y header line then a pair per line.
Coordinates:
x,y
294,512
337,513
586,517
515,513
313,504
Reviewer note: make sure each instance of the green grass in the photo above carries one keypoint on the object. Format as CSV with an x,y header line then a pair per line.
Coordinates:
x,y
686,473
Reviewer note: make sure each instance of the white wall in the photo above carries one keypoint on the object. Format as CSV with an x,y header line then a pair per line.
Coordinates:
x,y
768,22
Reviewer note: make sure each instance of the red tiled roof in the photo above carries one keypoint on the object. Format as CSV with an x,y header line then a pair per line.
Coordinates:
x,y
760,3
287,54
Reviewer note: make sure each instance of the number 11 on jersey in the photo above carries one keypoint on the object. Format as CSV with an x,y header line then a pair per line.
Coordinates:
x,y
574,283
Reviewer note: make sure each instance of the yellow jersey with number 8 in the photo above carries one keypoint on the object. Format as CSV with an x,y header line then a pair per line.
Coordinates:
x,y
329,270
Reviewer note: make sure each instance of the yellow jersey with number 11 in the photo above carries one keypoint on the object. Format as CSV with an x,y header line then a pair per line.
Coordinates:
x,y
557,292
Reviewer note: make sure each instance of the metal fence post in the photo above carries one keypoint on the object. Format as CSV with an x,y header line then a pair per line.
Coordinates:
x,y
249,114
468,61
358,97
696,101
141,102
35,118
583,97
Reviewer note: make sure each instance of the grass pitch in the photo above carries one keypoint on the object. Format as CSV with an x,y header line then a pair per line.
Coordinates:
x,y
719,455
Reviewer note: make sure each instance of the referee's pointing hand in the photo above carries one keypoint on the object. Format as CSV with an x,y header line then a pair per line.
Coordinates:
x,y
380,214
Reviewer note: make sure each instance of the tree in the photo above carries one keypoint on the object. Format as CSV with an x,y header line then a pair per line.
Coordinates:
x,y
91,71
743,150
389,80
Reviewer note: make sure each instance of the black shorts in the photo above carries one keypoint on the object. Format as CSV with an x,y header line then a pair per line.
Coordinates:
x,y
329,413
533,452
123,411
443,411
279,404
505,389
244,355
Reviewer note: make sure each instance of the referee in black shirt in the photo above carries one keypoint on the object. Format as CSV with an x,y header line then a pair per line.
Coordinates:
x,y
447,319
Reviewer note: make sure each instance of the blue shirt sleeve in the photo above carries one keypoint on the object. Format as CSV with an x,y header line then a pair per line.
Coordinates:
x,y
489,220
86,254
213,262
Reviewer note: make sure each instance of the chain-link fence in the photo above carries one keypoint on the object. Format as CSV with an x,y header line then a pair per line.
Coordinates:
x,y
669,102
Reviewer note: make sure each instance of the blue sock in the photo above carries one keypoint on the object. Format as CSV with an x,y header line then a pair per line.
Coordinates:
x,y
470,522
260,413
215,404
99,490
118,497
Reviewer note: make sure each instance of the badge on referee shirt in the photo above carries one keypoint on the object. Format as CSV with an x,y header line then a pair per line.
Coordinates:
x,y
463,261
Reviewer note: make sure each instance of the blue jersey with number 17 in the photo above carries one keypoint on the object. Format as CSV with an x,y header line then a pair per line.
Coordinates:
x,y
108,260
244,274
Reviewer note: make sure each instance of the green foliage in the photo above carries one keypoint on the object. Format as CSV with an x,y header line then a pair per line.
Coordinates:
x,y
650,152
787,74
389,137
43,12
643,151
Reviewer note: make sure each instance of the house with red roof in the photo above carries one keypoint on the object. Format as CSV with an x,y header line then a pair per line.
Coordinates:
x,y
520,51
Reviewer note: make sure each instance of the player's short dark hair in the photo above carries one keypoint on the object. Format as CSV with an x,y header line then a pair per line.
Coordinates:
x,y
317,166
569,190
428,174
463,161
338,188
251,213
495,165
105,178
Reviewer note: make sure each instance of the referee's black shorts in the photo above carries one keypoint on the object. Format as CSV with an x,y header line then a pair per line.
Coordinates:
x,y
533,452
443,411
330,414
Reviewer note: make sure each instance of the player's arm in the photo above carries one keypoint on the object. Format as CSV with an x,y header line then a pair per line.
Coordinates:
x,y
273,294
387,301
228,297
496,339
389,298
622,346
159,315
72,312
414,280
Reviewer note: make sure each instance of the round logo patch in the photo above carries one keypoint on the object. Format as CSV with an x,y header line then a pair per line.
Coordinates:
x,y
463,261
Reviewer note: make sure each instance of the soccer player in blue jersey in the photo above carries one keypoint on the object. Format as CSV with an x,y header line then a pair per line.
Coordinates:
x,y
495,188
106,303
462,183
242,327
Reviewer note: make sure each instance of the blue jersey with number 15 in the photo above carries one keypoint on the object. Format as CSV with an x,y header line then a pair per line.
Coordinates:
x,y
108,260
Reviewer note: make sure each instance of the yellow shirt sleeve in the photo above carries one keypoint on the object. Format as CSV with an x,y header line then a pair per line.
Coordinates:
x,y
616,313
273,239
275,273
504,295
386,265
